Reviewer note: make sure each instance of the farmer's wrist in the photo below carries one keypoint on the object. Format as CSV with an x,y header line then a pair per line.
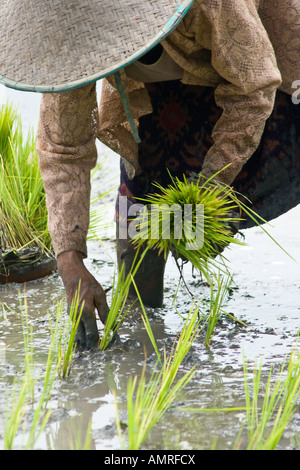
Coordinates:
x,y
69,260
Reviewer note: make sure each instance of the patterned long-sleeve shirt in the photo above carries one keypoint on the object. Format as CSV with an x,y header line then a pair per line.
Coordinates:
x,y
245,49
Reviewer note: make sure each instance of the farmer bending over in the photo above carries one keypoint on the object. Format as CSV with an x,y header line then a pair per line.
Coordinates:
x,y
189,86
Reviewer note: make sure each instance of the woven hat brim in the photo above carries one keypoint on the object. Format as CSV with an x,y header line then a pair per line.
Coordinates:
x,y
60,45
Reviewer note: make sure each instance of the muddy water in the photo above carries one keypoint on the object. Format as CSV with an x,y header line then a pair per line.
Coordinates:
x,y
266,296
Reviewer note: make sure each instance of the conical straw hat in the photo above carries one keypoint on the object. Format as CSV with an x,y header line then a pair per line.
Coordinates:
x,y
57,45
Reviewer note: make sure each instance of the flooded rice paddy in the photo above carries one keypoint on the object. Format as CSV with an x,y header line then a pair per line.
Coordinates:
x,y
265,296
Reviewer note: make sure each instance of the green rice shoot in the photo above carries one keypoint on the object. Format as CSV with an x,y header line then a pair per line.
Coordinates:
x,y
118,309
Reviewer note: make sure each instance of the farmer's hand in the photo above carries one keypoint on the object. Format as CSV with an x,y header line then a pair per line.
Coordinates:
x,y
232,215
72,271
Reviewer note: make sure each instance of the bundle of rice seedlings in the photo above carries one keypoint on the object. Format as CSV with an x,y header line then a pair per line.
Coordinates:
x,y
195,220
23,213
24,237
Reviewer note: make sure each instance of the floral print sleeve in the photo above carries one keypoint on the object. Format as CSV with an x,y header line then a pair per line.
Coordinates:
x,y
66,145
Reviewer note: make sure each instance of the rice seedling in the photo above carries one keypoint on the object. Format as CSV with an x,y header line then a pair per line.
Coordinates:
x,y
117,311
5,308
23,213
147,324
27,341
266,424
148,401
212,309
16,405
120,291
63,335
78,444
41,414
216,304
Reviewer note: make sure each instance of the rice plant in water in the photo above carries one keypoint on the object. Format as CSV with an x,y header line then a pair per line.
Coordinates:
x,y
148,401
63,334
266,423
218,296
120,291
270,404
23,213
117,310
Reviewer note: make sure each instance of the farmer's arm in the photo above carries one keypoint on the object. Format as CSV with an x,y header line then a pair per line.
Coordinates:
x,y
243,55
224,44
67,153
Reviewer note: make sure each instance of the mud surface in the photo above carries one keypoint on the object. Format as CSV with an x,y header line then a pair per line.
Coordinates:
x,y
265,295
